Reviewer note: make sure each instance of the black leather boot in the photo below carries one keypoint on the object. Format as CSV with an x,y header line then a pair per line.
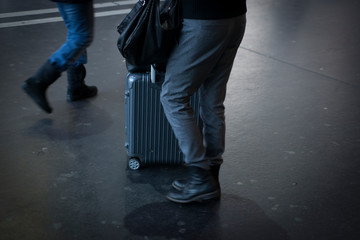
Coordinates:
x,y
179,184
36,85
201,186
77,89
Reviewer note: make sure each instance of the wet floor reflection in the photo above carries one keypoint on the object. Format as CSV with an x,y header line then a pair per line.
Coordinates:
x,y
79,119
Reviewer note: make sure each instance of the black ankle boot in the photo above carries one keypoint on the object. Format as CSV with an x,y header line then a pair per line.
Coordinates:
x,y
36,85
201,186
77,89
179,184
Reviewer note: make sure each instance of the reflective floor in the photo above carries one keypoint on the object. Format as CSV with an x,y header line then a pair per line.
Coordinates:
x,y
292,164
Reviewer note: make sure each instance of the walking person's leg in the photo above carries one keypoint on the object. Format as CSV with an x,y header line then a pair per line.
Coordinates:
x,y
79,21
73,55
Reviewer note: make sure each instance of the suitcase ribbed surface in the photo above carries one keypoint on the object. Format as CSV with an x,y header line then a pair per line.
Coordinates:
x,y
149,136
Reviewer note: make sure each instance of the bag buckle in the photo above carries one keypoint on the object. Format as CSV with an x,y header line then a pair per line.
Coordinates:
x,y
143,2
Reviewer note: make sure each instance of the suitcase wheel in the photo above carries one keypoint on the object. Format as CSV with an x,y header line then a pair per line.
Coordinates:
x,y
134,163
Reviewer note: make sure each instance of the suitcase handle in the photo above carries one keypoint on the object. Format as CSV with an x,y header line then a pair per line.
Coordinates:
x,y
157,74
152,74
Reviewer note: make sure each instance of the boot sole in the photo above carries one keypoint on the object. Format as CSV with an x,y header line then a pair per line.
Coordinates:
x,y
181,188
71,98
199,198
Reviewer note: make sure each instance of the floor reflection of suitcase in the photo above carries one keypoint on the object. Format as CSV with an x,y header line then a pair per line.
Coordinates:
x,y
149,137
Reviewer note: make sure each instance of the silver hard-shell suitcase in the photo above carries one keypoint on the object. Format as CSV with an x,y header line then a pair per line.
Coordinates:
x,y
149,137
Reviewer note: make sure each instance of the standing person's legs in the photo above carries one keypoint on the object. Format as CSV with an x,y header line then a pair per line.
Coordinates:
x,y
186,70
201,47
213,92
201,58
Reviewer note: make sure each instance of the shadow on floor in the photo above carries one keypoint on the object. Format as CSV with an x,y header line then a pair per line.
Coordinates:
x,y
232,217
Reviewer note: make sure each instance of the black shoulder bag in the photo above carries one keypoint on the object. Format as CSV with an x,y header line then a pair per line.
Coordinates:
x,y
149,32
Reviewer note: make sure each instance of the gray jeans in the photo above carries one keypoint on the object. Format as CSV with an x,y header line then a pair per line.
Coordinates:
x,y
202,60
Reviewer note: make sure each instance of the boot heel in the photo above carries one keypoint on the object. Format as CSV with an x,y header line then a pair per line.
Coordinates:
x,y
77,89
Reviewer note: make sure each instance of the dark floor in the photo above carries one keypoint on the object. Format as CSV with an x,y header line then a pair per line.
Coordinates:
x,y
291,167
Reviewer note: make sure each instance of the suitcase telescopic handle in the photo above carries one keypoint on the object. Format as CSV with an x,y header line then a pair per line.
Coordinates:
x,y
152,74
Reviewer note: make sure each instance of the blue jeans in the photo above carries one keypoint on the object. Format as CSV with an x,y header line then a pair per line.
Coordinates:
x,y
79,21
202,60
